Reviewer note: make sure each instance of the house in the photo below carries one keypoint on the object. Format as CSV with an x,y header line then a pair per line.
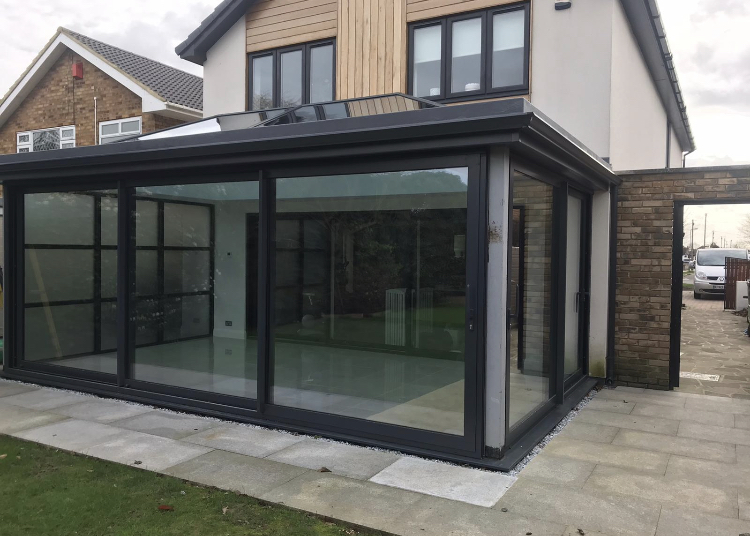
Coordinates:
x,y
79,91
330,252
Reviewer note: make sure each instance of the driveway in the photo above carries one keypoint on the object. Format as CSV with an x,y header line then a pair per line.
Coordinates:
x,y
713,349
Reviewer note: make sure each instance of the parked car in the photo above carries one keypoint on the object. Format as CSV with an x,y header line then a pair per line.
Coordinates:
x,y
710,270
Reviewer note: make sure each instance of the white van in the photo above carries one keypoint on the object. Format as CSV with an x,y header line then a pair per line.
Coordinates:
x,y
710,271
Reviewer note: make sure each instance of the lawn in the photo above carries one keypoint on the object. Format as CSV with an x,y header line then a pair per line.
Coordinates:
x,y
44,492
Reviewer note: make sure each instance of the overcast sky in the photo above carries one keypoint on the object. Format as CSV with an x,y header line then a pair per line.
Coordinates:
x,y
710,40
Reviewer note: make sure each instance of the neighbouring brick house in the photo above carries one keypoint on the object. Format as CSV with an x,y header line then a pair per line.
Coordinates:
x,y
649,274
79,91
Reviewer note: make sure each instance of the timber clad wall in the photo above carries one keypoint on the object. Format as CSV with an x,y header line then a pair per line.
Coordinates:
x,y
59,100
644,263
280,23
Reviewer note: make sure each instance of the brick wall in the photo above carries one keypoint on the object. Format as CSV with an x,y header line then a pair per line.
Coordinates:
x,y
644,262
59,100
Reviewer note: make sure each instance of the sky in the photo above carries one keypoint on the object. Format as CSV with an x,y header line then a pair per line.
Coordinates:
x,y
721,221
710,41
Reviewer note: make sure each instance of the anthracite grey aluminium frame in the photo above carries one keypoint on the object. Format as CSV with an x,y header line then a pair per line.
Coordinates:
x,y
421,139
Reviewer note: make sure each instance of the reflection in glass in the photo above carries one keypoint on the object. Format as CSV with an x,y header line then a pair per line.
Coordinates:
x,y
508,41
262,83
70,279
195,286
427,61
573,303
369,298
466,55
321,73
291,78
530,297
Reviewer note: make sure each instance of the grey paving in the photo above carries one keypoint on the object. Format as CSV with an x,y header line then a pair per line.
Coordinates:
x,y
472,486
651,397
678,493
742,421
716,433
339,458
8,388
228,470
44,399
611,404
632,422
104,411
14,419
684,414
617,456
166,424
563,471
145,451
744,504
694,448
245,440
584,431
71,434
686,522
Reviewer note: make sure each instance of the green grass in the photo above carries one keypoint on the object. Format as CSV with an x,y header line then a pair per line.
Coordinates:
x,y
687,286
44,492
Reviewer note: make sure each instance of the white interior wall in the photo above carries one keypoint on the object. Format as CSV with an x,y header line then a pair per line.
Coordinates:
x,y
599,297
497,275
570,68
224,73
639,121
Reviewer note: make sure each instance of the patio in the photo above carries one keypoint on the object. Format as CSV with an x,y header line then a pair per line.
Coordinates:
x,y
632,462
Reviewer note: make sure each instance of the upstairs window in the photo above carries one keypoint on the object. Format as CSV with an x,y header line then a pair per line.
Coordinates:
x,y
471,55
291,76
118,129
46,140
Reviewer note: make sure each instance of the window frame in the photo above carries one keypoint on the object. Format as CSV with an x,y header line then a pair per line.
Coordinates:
x,y
486,90
30,144
275,54
120,134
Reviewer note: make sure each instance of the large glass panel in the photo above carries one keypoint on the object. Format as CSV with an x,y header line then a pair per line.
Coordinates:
x,y
196,286
573,303
531,298
321,73
508,42
262,73
370,301
466,55
291,78
428,52
70,241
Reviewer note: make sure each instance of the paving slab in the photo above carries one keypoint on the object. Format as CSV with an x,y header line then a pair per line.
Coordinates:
x,y
584,431
683,414
610,404
472,486
258,442
719,405
12,388
658,489
44,399
684,446
615,455
577,531
714,433
615,514
562,471
99,410
440,517
651,397
632,422
236,472
744,503
339,458
71,434
742,422
716,473
146,451
347,499
684,522
165,424
15,418
743,454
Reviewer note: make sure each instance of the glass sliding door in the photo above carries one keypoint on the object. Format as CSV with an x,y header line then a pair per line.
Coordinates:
x,y
530,299
190,302
70,279
576,284
369,301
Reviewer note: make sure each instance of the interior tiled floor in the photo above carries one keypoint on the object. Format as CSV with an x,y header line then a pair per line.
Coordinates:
x,y
632,462
713,343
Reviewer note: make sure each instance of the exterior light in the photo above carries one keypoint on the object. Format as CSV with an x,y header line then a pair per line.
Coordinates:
x,y
561,4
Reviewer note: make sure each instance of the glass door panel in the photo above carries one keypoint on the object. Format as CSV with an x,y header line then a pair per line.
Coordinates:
x,y
370,297
574,296
530,298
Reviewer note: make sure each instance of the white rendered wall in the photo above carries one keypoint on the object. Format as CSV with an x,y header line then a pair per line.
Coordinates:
x,y
497,275
570,68
224,73
675,153
639,121
599,298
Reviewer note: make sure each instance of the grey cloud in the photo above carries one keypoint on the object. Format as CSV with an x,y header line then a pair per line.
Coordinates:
x,y
708,9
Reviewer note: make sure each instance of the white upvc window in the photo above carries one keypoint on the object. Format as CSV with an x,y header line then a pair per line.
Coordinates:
x,y
46,139
118,129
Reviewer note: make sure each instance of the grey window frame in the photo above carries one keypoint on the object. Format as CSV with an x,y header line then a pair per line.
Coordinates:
x,y
275,54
